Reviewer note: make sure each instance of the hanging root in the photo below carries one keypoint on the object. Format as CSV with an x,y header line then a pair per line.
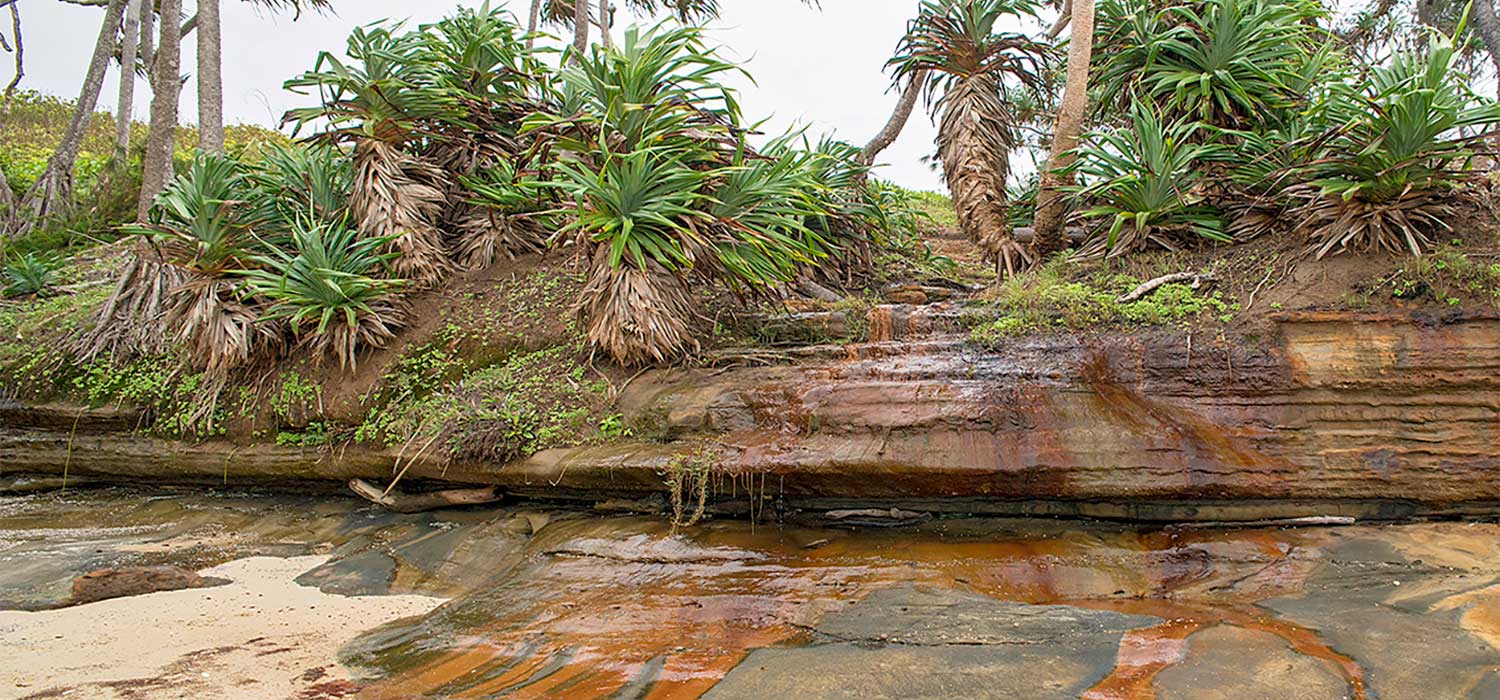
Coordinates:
x,y
130,323
688,477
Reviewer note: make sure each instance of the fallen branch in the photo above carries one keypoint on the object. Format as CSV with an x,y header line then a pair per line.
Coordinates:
x,y
816,291
1306,521
418,502
1197,280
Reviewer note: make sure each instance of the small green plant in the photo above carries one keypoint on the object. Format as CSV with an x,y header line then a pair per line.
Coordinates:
x,y
295,398
613,426
314,435
29,275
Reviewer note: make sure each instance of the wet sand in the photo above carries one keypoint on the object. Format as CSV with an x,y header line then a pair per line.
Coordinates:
x,y
260,637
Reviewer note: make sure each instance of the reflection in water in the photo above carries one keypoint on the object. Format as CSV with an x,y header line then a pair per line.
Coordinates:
x,y
671,615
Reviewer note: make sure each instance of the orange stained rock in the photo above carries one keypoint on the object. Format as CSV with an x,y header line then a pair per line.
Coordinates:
x,y
674,614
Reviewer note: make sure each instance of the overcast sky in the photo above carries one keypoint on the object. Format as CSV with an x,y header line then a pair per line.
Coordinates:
x,y
819,68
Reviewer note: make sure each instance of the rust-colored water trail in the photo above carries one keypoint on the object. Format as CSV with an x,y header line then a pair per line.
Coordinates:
x,y
673,614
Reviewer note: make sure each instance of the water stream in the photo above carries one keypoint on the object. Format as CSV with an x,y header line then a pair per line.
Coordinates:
x,y
569,603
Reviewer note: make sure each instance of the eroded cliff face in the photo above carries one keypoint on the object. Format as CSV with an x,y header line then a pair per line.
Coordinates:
x,y
1331,406
1325,413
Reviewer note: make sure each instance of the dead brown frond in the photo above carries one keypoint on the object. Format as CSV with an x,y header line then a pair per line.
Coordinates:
x,y
1400,226
636,316
372,328
485,234
397,194
219,330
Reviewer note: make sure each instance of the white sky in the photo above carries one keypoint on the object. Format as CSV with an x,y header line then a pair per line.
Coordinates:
x,y
820,68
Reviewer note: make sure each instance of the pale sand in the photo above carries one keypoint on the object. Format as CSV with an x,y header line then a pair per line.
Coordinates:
x,y
261,637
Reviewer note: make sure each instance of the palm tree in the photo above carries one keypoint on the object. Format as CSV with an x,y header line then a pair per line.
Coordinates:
x,y
967,69
1049,237
210,79
375,101
125,107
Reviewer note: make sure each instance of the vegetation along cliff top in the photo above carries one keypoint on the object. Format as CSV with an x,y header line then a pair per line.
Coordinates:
x,y
472,237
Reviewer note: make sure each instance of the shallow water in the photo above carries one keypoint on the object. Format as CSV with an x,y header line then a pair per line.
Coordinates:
x,y
569,604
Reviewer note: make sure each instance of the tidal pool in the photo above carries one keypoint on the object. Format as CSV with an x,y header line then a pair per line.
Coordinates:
x,y
539,603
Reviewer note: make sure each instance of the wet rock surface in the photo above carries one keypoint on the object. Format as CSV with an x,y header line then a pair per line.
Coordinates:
x,y
918,642
571,603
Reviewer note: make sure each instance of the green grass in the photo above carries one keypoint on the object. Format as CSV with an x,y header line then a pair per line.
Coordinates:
x,y
31,129
1447,275
1059,297
530,401
937,206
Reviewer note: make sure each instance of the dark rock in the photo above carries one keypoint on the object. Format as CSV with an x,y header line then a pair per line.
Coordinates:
x,y
123,582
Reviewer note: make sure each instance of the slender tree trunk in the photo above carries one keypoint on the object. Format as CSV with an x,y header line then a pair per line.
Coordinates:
x,y
892,129
148,38
1050,236
20,49
1064,16
531,24
1487,24
53,191
580,28
604,23
165,85
125,108
210,79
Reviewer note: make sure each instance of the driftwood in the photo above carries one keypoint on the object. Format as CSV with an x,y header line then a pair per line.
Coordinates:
x,y
813,290
418,502
1197,279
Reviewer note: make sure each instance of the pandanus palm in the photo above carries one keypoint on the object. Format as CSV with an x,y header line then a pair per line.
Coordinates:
x,y
1225,62
200,227
479,55
666,190
378,101
968,65
1386,178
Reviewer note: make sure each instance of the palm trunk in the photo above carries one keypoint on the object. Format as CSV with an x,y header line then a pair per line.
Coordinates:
x,y
604,23
125,108
1050,236
210,79
1487,25
892,129
580,28
974,146
531,24
53,191
165,86
148,38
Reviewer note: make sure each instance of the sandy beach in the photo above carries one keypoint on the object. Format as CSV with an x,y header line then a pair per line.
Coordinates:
x,y
261,637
